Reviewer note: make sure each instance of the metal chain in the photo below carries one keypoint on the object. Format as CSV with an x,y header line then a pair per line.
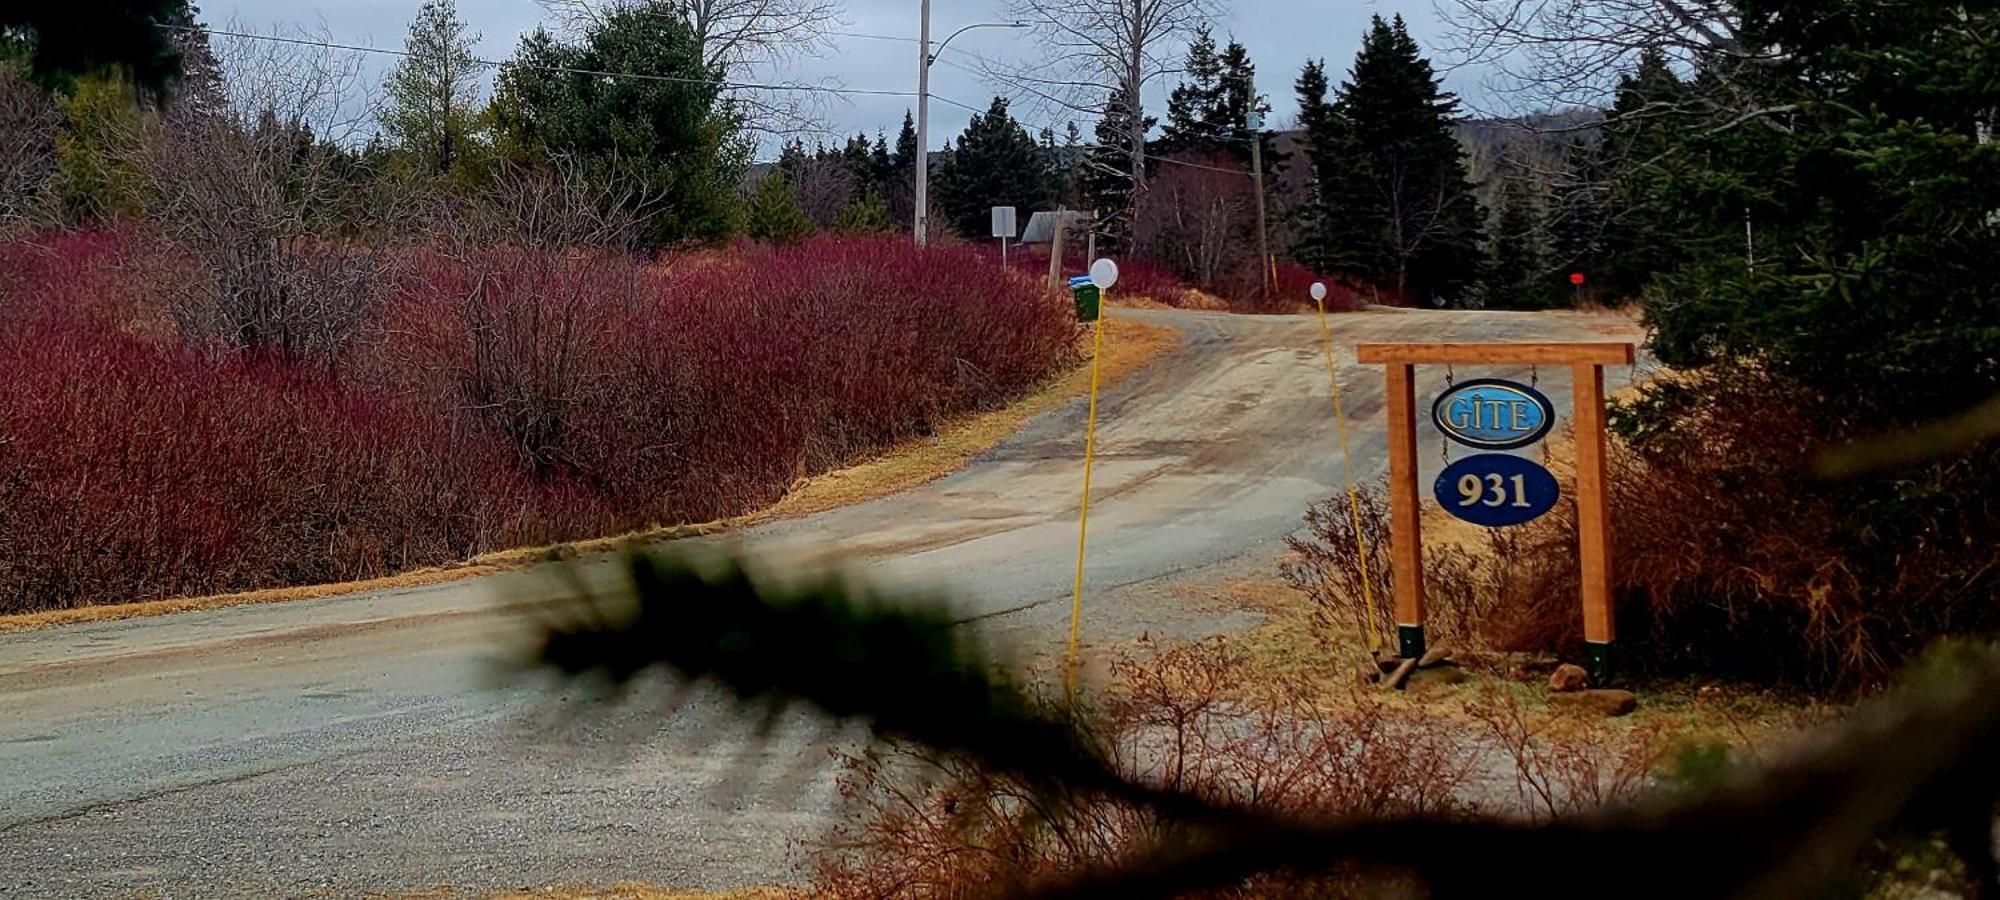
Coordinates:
x,y
1444,443
1535,381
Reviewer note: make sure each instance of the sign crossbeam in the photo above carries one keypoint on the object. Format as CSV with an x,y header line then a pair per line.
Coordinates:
x,y
1606,353
1586,361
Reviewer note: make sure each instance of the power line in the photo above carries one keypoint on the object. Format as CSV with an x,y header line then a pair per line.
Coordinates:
x,y
566,70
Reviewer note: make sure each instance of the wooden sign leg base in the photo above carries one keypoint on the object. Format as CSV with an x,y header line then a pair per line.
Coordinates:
x,y
1597,662
1410,641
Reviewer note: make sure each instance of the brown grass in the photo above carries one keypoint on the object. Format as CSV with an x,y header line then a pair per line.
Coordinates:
x,y
1128,347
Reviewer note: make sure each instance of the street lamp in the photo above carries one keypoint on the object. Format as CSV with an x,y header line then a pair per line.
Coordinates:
x,y
925,57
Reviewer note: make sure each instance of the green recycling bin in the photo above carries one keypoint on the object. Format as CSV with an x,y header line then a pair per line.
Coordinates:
x,y
1084,291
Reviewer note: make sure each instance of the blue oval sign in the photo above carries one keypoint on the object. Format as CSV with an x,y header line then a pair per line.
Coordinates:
x,y
1494,489
1492,414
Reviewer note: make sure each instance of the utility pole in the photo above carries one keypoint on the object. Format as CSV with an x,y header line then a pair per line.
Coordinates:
x,y
1256,122
921,225
922,164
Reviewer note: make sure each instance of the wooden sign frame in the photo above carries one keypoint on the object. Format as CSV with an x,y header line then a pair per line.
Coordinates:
x,y
1586,362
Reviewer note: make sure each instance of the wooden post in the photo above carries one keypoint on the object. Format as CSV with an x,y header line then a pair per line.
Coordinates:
x,y
1593,520
1055,253
1405,515
1586,361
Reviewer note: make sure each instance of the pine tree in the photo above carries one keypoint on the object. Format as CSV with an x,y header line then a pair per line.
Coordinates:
x,y
774,215
669,130
1403,214
879,164
995,163
433,92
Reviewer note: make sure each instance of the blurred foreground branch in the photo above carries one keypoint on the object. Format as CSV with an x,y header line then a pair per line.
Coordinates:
x,y
1918,760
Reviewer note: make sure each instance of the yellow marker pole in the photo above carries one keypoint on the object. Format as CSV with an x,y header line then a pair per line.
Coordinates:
x,y
1347,470
1083,516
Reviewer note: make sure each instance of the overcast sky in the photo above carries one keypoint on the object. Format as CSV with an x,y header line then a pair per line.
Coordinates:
x,y
1280,35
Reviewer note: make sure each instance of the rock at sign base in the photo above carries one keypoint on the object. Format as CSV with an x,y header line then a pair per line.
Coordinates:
x,y
1600,702
1568,678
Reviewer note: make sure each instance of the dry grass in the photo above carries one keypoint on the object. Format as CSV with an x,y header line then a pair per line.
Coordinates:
x,y
635,891
624,890
1129,346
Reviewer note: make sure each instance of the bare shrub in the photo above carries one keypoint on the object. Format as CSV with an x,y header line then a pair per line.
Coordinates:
x,y
1564,765
253,192
925,823
1328,565
28,120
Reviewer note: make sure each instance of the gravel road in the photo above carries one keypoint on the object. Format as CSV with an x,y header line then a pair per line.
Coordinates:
x,y
378,742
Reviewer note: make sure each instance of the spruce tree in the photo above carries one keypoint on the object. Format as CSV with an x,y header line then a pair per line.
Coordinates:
x,y
1516,262
995,163
774,215
899,188
1193,104
1107,179
1404,215
1316,121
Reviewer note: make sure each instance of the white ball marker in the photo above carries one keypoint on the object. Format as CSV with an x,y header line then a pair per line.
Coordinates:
x,y
1104,274
1319,290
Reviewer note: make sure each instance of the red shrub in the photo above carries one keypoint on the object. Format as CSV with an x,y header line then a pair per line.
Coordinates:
x,y
506,397
136,470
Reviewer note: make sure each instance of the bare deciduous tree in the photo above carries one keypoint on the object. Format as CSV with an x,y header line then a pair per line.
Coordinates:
x,y
1093,50
252,188
1562,54
28,120
1201,217
824,186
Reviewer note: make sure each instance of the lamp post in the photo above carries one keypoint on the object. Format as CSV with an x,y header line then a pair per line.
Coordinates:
x,y
922,164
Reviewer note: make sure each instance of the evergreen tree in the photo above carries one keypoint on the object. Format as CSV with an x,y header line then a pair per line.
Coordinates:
x,y
1312,246
431,94
65,41
879,164
857,157
671,132
1875,238
1516,273
899,189
1107,179
995,163
1577,222
1401,213
1642,137
774,215
864,216
1193,106
1238,101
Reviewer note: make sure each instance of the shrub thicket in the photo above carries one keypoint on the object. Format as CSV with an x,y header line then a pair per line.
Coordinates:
x,y
496,398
